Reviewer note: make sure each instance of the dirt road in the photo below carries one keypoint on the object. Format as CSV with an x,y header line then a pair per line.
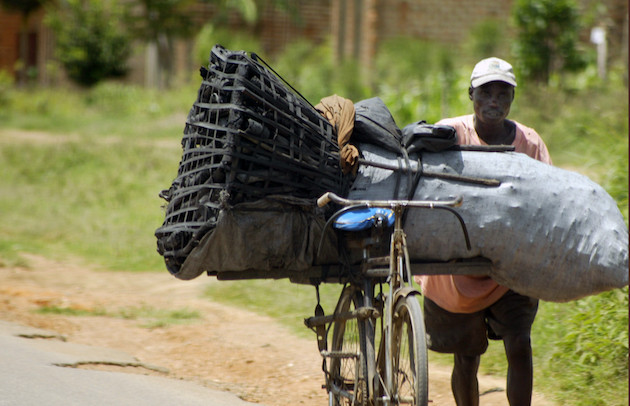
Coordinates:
x,y
227,348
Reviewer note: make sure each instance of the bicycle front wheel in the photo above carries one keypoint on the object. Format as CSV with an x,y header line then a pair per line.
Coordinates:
x,y
409,356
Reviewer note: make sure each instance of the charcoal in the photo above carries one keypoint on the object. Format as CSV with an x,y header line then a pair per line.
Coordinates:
x,y
247,136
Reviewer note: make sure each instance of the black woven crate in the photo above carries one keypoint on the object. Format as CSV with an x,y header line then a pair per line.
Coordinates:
x,y
247,136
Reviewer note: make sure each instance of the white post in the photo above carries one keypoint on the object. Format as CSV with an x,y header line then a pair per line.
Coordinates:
x,y
598,37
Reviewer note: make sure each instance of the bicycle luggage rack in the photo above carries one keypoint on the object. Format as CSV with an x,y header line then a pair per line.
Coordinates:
x,y
335,272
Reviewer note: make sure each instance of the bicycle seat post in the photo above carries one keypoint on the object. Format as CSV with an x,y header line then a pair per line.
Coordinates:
x,y
396,244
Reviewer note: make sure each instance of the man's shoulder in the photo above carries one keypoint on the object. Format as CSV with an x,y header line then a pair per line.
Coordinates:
x,y
529,133
531,143
524,128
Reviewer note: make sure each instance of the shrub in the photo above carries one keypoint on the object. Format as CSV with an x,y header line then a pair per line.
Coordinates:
x,y
424,85
90,44
318,75
6,83
589,349
547,38
210,35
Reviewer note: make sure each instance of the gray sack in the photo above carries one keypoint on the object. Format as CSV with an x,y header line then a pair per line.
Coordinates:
x,y
550,233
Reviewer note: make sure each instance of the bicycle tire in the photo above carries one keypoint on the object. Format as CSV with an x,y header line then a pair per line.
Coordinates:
x,y
349,338
409,357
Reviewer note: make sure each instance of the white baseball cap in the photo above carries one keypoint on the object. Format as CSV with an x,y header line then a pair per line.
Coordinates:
x,y
491,70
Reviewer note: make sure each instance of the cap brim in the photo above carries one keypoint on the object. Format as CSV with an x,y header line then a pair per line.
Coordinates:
x,y
492,78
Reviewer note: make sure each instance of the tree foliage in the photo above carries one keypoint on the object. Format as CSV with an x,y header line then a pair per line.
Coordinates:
x,y
547,38
91,44
250,10
149,19
24,7
159,23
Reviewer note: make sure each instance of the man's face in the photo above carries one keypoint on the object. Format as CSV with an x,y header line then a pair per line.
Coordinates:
x,y
492,101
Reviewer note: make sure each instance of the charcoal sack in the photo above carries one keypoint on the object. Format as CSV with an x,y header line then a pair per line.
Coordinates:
x,y
550,233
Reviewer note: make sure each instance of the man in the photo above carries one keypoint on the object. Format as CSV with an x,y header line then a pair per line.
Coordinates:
x,y
461,311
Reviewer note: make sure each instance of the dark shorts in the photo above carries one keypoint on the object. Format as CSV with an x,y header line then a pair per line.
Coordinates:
x,y
468,333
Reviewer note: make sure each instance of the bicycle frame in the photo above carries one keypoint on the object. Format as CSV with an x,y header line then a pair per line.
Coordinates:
x,y
399,279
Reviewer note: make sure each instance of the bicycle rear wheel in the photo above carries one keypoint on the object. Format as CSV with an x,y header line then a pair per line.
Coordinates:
x,y
409,357
348,364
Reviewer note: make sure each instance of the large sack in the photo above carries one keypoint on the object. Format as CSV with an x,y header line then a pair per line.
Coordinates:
x,y
550,233
271,238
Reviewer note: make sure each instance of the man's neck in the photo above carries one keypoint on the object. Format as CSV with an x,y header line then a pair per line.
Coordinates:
x,y
502,133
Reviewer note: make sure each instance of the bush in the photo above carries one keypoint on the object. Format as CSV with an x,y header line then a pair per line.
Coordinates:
x,y
210,35
6,83
424,85
317,75
616,179
588,349
90,44
314,80
547,38
487,38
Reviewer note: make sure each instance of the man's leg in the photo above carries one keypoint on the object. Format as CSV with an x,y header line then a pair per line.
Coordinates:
x,y
464,380
461,334
518,351
511,318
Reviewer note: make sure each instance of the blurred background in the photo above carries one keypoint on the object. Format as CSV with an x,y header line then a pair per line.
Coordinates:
x,y
157,42
94,96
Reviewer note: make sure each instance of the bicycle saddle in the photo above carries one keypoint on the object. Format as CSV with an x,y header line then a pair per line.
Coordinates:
x,y
363,218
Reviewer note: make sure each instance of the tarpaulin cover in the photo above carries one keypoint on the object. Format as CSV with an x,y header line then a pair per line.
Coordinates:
x,y
375,125
274,235
550,233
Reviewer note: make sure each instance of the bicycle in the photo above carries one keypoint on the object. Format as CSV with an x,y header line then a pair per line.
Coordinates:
x,y
356,373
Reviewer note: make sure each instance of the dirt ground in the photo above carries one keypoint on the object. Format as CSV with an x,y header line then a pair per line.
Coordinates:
x,y
227,348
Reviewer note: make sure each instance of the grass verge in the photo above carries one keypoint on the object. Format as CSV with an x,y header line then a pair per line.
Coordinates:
x,y
147,316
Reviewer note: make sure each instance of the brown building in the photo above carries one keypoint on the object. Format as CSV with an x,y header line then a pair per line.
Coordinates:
x,y
355,26
37,38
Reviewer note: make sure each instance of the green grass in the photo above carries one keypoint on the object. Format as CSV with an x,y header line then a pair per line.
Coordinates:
x,y
89,187
97,200
586,343
147,316
287,302
150,317
70,311
106,110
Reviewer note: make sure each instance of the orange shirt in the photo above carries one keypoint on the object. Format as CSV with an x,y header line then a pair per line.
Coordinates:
x,y
469,294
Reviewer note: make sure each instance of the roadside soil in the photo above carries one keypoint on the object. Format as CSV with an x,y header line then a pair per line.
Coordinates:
x,y
227,348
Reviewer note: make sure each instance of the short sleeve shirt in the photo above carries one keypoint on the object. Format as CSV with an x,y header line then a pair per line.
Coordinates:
x,y
464,293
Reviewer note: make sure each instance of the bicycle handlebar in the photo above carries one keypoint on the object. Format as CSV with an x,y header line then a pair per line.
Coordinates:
x,y
331,197
397,205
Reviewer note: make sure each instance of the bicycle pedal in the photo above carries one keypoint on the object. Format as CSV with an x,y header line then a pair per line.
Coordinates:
x,y
339,354
320,330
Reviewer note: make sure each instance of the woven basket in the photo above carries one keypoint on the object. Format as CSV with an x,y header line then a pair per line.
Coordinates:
x,y
247,136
